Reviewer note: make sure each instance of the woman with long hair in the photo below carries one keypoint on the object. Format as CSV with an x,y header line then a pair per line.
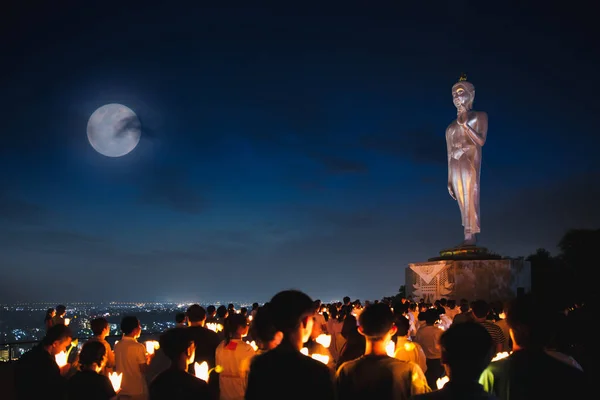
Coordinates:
x,y
233,355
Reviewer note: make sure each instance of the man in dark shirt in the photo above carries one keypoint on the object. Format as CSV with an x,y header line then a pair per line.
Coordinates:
x,y
37,376
175,383
284,372
206,342
376,375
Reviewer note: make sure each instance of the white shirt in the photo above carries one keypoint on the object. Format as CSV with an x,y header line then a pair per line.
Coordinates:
x,y
129,354
235,360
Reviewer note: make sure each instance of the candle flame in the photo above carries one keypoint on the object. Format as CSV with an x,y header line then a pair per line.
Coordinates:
x,y
390,348
500,356
324,340
115,380
442,381
67,321
320,357
201,371
253,344
304,351
215,327
151,346
61,359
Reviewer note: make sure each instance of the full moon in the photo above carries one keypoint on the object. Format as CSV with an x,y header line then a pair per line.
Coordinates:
x,y
114,130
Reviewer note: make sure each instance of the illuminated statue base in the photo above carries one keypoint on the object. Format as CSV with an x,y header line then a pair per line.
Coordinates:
x,y
456,275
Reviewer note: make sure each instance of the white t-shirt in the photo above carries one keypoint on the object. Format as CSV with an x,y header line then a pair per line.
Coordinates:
x,y
129,354
235,360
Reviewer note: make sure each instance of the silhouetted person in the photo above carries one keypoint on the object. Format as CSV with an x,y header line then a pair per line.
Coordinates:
x,y
467,349
175,383
89,383
375,375
529,372
284,372
37,376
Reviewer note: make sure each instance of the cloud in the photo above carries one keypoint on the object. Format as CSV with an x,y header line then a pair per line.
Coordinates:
x,y
423,145
16,210
170,187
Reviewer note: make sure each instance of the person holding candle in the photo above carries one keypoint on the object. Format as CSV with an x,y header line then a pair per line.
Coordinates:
x,y
89,383
175,382
233,355
284,372
131,360
101,329
37,375
376,375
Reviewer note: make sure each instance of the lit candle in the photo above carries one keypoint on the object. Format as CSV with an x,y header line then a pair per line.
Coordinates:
x,y
390,348
441,382
67,321
324,340
320,357
500,356
61,359
201,371
115,379
253,344
152,345
304,351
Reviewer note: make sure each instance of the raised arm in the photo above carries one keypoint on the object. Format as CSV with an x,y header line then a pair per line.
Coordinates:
x,y
481,124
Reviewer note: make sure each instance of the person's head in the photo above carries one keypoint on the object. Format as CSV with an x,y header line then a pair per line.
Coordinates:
x,y
57,339
100,327
464,305
211,311
230,308
526,323
61,310
51,312
130,326
180,318
467,349
196,314
376,322
451,304
463,94
431,316
236,325
480,309
222,312
93,356
443,301
402,326
244,311
263,330
178,345
346,300
254,306
292,312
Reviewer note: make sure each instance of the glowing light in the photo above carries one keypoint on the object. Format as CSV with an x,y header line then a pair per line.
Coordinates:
x,y
201,371
442,381
115,380
500,356
320,357
61,359
253,344
215,327
409,346
152,345
304,351
324,340
67,321
390,348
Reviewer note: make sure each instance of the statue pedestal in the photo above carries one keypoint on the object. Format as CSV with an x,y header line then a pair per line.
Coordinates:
x,y
468,272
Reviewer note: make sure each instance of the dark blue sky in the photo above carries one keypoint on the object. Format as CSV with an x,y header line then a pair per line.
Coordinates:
x,y
297,145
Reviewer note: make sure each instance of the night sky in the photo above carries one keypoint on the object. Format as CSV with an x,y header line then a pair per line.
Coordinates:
x,y
284,144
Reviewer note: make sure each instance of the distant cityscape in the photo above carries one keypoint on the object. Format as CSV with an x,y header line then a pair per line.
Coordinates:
x,y
24,322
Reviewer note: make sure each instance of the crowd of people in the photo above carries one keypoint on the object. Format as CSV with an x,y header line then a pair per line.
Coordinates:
x,y
376,350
